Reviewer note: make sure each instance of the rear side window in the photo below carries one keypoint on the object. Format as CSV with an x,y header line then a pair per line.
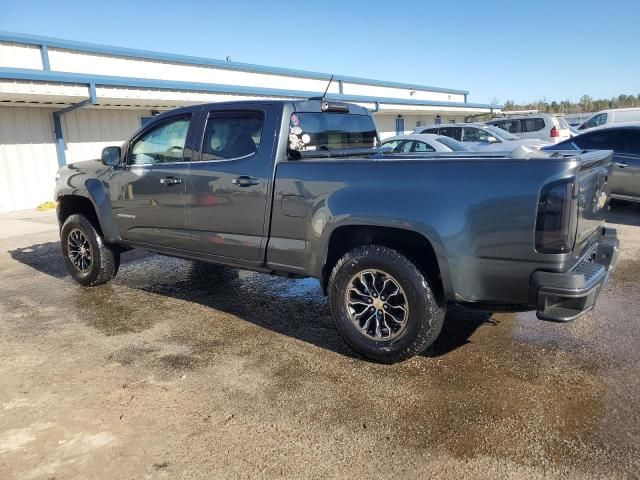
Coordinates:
x,y
161,144
602,140
453,132
532,125
232,135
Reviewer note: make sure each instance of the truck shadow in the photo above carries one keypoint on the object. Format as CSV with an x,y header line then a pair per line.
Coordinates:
x,y
295,308
624,213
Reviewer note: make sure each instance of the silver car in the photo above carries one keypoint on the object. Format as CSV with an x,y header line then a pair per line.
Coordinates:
x,y
482,138
422,143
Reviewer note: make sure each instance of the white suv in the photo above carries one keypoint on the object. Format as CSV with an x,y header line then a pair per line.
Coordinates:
x,y
544,126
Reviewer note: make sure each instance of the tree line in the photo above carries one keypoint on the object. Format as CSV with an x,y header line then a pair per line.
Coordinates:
x,y
584,105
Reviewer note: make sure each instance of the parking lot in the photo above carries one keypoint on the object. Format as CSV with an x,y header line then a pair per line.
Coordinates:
x,y
179,370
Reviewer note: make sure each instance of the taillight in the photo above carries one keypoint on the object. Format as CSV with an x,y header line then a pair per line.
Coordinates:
x,y
554,132
557,217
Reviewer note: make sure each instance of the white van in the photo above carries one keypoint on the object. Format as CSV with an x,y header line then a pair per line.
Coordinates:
x,y
608,117
542,126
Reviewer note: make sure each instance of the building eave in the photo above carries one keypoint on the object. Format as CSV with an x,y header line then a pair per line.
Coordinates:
x,y
48,42
130,82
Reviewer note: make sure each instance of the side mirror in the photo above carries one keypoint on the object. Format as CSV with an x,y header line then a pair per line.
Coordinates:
x,y
491,139
385,149
111,156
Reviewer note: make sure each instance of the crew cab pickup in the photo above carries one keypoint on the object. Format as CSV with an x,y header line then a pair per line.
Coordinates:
x,y
299,188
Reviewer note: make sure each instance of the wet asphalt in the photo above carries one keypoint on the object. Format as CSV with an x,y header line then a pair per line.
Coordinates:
x,y
178,369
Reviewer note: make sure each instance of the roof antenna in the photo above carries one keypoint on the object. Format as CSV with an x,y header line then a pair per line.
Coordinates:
x,y
327,89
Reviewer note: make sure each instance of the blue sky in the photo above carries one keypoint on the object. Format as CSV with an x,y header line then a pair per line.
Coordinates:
x,y
502,50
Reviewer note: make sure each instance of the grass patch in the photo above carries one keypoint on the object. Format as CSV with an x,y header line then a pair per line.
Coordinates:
x,y
46,206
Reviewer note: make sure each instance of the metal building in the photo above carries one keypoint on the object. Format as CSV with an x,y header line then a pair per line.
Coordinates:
x,y
63,101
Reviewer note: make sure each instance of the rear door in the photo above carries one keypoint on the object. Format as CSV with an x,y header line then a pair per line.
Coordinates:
x,y
230,181
148,193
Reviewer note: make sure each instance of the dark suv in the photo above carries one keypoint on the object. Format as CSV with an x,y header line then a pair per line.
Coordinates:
x,y
624,140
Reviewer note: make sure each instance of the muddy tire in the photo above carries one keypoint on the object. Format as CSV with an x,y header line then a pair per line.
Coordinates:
x,y
383,305
88,259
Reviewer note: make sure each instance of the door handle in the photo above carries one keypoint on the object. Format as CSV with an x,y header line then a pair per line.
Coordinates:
x,y
170,181
245,181
621,164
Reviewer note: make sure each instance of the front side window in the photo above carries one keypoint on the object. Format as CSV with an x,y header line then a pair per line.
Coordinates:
x,y
472,134
631,141
391,144
500,134
422,147
232,135
511,126
399,146
163,143
452,132
532,125
595,121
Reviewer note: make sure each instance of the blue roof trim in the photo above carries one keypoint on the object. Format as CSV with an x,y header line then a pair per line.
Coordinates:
x,y
171,57
65,77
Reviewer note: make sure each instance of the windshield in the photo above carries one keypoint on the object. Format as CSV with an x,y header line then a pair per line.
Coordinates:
x,y
453,144
331,131
500,133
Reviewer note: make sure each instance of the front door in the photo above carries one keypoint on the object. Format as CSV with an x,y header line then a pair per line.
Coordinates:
x,y
228,190
149,193
626,165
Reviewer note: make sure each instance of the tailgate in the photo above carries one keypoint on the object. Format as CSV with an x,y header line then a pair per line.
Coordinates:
x,y
593,197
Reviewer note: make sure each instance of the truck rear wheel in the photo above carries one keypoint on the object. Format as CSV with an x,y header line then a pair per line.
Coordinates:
x,y
88,259
383,305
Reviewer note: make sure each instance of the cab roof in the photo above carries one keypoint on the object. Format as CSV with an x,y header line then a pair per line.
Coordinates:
x,y
309,105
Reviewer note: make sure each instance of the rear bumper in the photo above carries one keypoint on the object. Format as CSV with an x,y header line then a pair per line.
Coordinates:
x,y
562,297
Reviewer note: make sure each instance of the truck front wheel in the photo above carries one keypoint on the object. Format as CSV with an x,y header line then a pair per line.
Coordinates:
x,y
383,305
88,259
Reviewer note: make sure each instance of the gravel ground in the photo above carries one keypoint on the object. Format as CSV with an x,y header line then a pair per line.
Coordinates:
x,y
175,370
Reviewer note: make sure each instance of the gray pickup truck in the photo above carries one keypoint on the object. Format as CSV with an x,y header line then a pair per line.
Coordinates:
x,y
298,188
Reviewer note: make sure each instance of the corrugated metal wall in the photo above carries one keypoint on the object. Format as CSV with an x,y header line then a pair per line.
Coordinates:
x,y
88,130
28,160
